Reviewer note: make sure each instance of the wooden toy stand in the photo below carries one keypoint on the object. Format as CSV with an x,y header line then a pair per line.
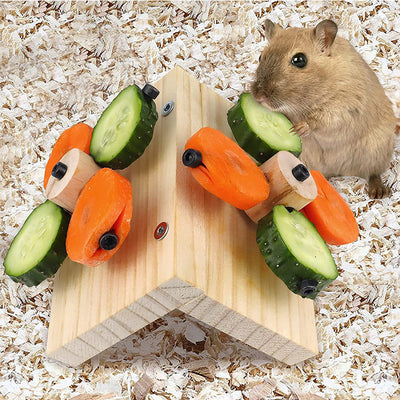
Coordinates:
x,y
208,265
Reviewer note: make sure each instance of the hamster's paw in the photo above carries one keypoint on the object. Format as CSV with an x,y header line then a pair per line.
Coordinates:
x,y
376,189
301,128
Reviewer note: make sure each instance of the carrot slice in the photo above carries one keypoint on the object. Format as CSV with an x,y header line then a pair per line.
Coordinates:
x,y
330,214
226,170
105,204
78,136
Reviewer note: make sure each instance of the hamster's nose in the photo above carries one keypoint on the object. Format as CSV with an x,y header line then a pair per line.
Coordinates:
x,y
260,96
256,91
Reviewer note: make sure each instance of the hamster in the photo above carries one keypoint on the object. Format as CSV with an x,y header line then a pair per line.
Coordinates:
x,y
332,97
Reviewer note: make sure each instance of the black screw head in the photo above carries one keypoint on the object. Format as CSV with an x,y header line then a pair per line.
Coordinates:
x,y
191,158
308,287
59,170
300,172
108,240
150,92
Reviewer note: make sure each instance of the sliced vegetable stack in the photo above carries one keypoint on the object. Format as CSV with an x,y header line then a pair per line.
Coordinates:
x,y
125,129
295,251
101,219
104,207
224,169
260,131
330,214
38,250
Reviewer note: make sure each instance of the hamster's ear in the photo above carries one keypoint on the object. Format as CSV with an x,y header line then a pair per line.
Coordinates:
x,y
325,33
270,28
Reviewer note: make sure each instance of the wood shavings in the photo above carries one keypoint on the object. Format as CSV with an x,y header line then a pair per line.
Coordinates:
x,y
61,63
194,334
308,397
205,368
143,387
261,391
93,397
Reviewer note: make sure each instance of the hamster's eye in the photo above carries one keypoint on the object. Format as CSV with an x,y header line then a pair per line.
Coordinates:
x,y
299,60
259,58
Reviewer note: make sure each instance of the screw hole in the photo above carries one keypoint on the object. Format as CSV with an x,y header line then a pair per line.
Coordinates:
x,y
167,108
161,231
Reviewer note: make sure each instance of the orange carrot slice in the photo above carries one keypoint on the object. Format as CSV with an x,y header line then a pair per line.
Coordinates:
x,y
330,214
226,170
76,137
104,205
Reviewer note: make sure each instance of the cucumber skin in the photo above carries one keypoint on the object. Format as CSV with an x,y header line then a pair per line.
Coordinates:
x,y
276,253
246,138
50,264
135,146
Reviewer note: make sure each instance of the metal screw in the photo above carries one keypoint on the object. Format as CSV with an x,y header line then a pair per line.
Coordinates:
x,y
167,108
192,158
161,231
150,92
300,172
308,287
108,240
59,170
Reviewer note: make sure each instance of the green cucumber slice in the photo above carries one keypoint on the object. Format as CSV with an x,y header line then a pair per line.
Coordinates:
x,y
261,132
124,130
295,251
38,250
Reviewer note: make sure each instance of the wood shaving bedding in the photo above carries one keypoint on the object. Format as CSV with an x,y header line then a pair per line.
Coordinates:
x,y
62,63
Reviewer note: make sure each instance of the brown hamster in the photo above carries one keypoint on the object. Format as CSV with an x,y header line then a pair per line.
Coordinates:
x,y
332,97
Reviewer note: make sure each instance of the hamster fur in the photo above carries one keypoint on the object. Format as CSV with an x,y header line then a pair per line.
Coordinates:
x,y
335,101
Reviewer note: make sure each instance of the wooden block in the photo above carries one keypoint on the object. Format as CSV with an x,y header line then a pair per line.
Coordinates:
x,y
208,265
290,184
65,191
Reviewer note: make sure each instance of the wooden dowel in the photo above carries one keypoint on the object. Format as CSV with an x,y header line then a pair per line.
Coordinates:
x,y
290,184
72,173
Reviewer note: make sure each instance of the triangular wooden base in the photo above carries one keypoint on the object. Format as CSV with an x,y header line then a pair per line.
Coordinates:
x,y
208,265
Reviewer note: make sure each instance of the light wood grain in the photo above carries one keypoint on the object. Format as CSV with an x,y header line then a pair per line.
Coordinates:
x,y
65,191
284,187
208,265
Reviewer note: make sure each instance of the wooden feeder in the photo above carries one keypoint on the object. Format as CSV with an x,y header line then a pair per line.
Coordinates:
x,y
187,251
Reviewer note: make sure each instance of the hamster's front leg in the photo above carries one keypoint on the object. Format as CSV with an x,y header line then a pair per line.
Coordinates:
x,y
301,128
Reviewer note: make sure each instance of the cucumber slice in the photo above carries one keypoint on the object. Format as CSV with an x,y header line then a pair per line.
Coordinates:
x,y
260,131
38,250
124,130
295,251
